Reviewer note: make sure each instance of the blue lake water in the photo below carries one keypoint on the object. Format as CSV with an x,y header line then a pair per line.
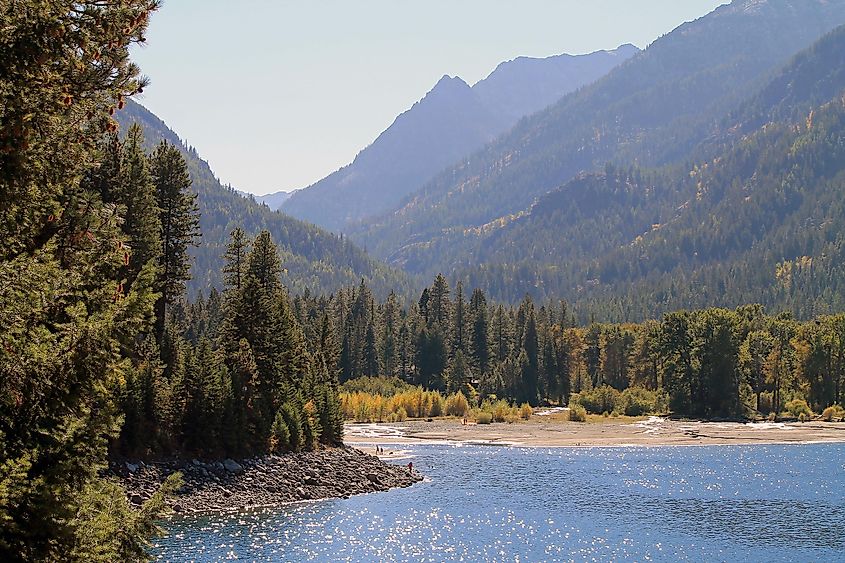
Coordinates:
x,y
485,503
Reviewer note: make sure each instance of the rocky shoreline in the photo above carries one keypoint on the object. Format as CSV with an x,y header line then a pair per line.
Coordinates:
x,y
266,480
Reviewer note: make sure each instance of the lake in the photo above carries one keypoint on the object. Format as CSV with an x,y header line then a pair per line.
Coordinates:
x,y
488,503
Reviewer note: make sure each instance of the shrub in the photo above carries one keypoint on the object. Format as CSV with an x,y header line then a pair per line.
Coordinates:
x,y
482,417
362,412
797,407
510,419
802,417
637,401
500,410
438,405
598,400
833,412
577,413
525,411
401,415
772,417
457,405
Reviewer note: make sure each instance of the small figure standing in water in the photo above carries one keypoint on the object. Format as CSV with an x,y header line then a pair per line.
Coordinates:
x,y
410,467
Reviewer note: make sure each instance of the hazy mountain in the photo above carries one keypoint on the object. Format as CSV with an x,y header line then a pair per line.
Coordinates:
x,y
274,200
526,85
451,121
312,258
656,109
760,220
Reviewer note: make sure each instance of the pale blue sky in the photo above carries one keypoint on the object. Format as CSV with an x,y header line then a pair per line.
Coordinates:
x,y
278,94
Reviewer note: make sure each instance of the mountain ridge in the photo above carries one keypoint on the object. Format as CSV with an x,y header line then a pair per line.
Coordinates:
x,y
450,121
759,220
653,110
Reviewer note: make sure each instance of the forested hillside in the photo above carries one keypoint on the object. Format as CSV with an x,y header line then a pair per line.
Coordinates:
x,y
653,110
452,120
633,242
312,258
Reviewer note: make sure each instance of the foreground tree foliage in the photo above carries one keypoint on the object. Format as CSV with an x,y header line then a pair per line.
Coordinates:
x,y
68,309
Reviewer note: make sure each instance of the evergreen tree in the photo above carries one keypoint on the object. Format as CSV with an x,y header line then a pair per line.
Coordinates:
x,y
63,316
371,361
439,303
235,267
264,264
458,373
460,339
479,331
179,219
142,221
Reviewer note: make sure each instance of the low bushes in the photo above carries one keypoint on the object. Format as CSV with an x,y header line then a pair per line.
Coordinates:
x,y
833,412
457,405
798,407
525,411
634,401
482,417
577,413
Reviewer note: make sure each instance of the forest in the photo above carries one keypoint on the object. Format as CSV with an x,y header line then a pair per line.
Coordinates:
x,y
105,354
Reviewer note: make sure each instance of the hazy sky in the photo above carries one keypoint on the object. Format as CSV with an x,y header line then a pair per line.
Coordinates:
x,y
278,94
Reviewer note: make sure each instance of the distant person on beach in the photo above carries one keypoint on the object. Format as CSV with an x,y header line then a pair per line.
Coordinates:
x,y
410,467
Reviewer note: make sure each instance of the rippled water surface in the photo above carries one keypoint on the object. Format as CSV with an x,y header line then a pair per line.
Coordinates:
x,y
483,503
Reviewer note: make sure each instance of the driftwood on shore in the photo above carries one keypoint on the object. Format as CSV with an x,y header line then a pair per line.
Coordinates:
x,y
265,481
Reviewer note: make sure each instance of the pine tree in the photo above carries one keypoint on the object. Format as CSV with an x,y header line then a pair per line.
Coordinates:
x,y
371,361
142,221
460,338
479,331
328,351
179,218
235,268
439,304
458,374
264,264
64,319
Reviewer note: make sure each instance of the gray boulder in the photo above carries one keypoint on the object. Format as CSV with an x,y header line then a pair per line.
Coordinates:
x,y
232,466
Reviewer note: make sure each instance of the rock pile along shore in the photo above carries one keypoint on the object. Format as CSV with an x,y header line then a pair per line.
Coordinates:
x,y
265,481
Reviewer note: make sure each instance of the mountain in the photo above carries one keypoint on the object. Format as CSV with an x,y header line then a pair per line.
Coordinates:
x,y
274,200
452,120
656,109
526,85
312,258
759,220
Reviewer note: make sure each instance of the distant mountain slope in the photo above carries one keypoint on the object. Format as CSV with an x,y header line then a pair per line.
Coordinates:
x,y
526,85
313,258
654,109
451,121
761,220
274,200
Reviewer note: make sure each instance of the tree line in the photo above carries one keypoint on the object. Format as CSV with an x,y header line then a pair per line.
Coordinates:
x,y
709,363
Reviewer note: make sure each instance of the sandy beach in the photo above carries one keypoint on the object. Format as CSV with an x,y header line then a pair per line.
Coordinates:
x,y
556,431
